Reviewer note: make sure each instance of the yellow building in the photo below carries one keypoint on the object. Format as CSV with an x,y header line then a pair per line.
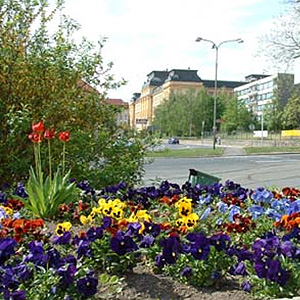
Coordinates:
x,y
160,85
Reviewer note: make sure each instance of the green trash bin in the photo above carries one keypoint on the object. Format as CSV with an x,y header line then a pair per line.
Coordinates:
x,y
197,177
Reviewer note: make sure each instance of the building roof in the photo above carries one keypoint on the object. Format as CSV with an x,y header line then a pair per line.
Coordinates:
x,y
183,75
117,102
253,77
156,78
222,83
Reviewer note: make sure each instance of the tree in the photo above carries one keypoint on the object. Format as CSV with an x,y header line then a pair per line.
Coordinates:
x,y
183,113
291,115
282,44
236,115
49,77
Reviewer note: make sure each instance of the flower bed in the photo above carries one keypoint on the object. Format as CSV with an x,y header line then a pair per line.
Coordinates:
x,y
197,235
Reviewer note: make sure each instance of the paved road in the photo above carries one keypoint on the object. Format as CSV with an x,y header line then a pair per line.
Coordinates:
x,y
250,171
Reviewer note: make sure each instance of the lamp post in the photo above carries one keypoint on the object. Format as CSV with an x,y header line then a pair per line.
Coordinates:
x,y
216,47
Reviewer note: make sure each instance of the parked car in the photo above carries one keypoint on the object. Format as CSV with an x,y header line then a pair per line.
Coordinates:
x,y
173,141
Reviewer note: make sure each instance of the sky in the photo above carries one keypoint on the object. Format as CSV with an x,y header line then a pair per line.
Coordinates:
x,y
143,36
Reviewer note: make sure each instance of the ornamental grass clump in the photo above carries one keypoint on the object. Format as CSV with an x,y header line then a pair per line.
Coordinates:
x,y
47,193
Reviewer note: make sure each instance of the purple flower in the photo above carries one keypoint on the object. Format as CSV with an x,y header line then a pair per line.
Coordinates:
x,y
147,241
271,269
238,269
200,245
67,273
7,246
94,233
63,239
186,272
171,249
53,257
83,249
160,261
106,222
20,190
3,198
36,254
18,295
266,247
87,286
220,241
287,248
152,228
246,286
133,229
23,272
122,244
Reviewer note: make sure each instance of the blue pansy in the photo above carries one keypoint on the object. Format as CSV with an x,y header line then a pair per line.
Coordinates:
x,y
256,211
234,210
222,207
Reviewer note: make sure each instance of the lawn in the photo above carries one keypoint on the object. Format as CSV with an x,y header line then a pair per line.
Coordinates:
x,y
194,152
257,150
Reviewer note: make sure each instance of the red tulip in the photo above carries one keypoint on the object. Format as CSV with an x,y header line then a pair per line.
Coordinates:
x,y
64,136
38,127
35,137
49,134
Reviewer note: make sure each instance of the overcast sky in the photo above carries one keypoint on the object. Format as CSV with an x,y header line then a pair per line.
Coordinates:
x,y
152,35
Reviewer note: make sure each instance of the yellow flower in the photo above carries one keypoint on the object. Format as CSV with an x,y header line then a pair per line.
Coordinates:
x,y
185,208
7,210
61,228
191,220
118,203
180,222
142,227
85,220
117,213
102,203
183,200
133,218
95,211
107,209
143,216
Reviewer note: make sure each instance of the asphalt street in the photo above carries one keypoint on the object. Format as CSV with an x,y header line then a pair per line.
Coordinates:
x,y
278,170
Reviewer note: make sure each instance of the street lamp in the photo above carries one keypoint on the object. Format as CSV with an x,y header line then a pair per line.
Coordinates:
x,y
215,46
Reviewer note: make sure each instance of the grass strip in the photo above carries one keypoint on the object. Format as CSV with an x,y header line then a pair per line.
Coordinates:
x,y
195,152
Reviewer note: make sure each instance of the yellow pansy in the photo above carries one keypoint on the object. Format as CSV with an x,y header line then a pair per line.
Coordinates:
x,y
118,203
85,220
185,208
7,210
180,222
102,203
133,218
117,213
62,227
141,230
95,211
143,216
107,209
183,200
191,220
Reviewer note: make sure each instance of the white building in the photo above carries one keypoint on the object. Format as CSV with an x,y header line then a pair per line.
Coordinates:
x,y
260,90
